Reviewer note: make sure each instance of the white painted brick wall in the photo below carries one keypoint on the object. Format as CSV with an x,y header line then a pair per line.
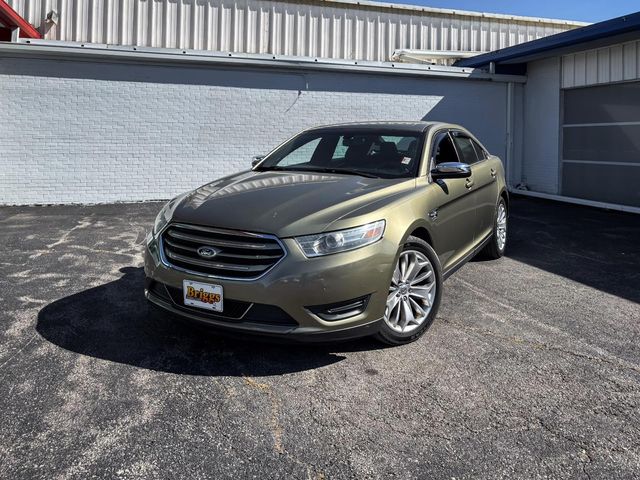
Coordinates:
x,y
97,132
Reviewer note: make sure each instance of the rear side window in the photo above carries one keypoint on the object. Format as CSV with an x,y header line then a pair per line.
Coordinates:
x,y
465,148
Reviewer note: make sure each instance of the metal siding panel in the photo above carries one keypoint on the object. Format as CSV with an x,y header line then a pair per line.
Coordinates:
x,y
616,63
568,63
592,67
604,65
312,28
629,61
580,69
637,59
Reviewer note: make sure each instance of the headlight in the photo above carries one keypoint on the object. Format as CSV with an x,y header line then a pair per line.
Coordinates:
x,y
341,240
162,219
166,214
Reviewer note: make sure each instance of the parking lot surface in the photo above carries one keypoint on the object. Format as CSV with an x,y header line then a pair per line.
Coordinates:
x,y
531,369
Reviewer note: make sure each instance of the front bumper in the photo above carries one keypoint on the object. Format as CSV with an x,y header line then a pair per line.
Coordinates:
x,y
292,286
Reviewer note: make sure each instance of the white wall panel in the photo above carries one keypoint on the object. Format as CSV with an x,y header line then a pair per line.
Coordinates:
x,y
142,131
541,126
615,63
330,29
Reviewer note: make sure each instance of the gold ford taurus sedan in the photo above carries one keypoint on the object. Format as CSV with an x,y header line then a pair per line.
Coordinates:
x,y
342,231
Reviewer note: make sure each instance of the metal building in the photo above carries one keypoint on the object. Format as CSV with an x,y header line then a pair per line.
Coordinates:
x,y
141,99
581,113
339,29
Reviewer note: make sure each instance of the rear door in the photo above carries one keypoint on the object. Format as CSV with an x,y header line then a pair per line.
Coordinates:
x,y
483,187
453,214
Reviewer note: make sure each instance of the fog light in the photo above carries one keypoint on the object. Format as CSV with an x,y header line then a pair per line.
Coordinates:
x,y
341,310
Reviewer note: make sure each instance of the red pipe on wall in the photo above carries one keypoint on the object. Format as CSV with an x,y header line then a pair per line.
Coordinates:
x,y
10,19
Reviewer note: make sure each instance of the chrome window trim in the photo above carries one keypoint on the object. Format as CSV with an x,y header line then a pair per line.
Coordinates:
x,y
222,231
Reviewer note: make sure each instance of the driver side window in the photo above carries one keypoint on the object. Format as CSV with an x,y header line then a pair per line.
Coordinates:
x,y
443,149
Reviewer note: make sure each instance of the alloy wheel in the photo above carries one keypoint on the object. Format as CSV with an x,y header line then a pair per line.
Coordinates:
x,y
412,292
501,226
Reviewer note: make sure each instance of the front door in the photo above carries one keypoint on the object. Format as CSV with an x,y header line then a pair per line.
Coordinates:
x,y
454,212
484,188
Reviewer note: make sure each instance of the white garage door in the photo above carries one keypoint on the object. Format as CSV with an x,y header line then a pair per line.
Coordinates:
x,y
601,143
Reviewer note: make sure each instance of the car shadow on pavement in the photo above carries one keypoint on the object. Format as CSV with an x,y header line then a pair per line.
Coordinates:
x,y
114,322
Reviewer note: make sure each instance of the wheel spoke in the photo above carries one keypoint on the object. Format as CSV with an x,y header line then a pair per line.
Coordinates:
x,y
423,293
403,267
414,268
407,314
422,277
396,318
395,279
392,301
418,309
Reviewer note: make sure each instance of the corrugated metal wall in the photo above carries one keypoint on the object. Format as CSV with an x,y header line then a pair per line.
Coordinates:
x,y
309,28
616,63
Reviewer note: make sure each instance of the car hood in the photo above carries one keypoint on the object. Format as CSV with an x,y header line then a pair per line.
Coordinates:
x,y
282,203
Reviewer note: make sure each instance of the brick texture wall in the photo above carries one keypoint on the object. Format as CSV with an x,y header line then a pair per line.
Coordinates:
x,y
82,132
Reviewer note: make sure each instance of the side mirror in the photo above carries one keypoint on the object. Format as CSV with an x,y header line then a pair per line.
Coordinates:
x,y
256,160
451,170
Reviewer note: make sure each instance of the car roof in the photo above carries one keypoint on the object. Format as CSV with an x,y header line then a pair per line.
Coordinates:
x,y
417,127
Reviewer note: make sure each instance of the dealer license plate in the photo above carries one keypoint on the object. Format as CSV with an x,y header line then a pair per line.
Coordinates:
x,y
202,295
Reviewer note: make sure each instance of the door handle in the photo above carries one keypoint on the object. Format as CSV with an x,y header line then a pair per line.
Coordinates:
x,y
469,183
493,173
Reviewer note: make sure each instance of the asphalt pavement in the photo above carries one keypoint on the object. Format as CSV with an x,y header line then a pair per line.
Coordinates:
x,y
531,369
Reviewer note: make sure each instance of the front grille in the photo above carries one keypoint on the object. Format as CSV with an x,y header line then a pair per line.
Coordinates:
x,y
238,255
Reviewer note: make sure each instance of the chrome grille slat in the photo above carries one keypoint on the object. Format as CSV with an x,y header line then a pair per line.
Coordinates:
x,y
218,265
202,240
238,255
224,254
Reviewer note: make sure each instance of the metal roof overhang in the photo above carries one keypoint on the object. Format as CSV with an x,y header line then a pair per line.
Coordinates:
x,y
49,50
601,34
10,19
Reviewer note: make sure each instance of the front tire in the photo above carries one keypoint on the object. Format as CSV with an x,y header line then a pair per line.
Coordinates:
x,y
414,294
496,246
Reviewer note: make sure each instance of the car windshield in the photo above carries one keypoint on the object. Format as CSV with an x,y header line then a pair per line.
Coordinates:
x,y
383,154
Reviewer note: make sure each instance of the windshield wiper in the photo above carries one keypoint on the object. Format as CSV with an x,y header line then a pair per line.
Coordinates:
x,y
275,168
350,172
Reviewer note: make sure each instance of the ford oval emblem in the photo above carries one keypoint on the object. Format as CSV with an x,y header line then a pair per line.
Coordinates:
x,y
207,252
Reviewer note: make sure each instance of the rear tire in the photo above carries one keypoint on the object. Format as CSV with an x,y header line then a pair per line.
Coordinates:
x,y
496,246
414,294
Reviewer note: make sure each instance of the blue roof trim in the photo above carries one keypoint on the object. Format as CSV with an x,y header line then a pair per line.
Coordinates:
x,y
597,31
